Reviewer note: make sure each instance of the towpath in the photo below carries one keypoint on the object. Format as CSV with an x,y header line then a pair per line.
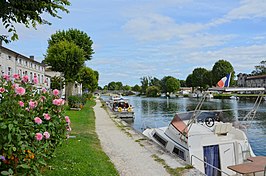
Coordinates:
x,y
130,156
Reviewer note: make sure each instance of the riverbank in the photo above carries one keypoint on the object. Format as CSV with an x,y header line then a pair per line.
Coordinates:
x,y
81,155
132,153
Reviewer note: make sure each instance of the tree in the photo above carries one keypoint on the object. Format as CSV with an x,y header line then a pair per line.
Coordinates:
x,y
183,83
81,39
189,81
152,91
260,69
28,12
220,69
119,86
88,78
126,87
172,84
144,83
57,82
136,88
198,76
155,82
112,86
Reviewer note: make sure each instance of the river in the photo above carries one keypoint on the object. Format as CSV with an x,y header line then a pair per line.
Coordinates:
x,y
158,112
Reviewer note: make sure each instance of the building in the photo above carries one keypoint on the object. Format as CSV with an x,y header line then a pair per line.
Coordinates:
x,y
12,62
245,80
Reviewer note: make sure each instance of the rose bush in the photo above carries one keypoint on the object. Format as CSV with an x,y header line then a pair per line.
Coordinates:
x,y
32,125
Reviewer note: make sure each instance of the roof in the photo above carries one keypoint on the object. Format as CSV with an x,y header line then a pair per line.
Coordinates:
x,y
256,77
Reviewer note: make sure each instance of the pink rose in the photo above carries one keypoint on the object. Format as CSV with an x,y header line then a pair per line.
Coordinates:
x,y
44,90
6,77
46,116
21,104
46,135
35,80
58,102
67,119
38,120
25,78
32,104
15,86
2,90
20,90
38,136
56,92
16,76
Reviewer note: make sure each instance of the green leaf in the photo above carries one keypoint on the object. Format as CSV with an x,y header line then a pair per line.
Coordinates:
x,y
14,149
25,166
10,171
5,173
9,137
10,126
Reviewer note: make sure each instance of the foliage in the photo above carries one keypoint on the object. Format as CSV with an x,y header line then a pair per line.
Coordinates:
x,y
172,84
155,82
57,82
88,78
152,91
198,76
220,69
32,125
81,155
126,87
115,86
136,88
65,57
183,83
28,12
189,81
76,101
144,83
79,38
260,69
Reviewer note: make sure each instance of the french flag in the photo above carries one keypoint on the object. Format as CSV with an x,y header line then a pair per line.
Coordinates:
x,y
225,81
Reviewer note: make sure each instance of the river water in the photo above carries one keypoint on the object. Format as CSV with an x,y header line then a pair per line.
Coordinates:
x,y
158,112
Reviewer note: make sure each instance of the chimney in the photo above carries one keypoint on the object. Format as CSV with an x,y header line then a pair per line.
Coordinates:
x,y
32,57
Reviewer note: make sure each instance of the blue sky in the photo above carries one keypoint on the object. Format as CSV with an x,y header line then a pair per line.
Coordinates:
x,y
158,38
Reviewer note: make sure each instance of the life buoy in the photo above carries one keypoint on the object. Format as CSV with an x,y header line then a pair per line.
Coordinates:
x,y
129,109
209,121
119,109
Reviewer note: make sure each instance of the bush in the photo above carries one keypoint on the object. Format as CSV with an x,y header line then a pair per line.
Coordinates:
x,y
77,101
152,91
32,125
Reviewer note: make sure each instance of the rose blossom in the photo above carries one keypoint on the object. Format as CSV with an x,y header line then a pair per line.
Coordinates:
x,y
6,77
46,135
21,104
38,120
46,116
67,119
38,136
20,90
16,76
44,90
58,102
32,104
55,92
25,78
2,90
35,80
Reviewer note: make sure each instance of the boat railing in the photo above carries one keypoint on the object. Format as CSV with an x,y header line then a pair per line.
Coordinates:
x,y
153,124
216,168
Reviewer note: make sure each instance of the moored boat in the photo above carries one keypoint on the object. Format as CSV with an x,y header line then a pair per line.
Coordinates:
x,y
201,139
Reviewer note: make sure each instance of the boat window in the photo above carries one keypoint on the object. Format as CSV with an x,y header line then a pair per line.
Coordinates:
x,y
179,152
159,139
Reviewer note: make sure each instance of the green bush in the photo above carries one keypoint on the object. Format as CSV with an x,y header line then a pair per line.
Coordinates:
x,y
32,125
74,101
152,91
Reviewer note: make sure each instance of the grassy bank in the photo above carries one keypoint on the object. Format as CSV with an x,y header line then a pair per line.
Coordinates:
x,y
81,155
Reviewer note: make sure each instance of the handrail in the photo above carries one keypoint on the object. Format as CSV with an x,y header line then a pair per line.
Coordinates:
x,y
208,164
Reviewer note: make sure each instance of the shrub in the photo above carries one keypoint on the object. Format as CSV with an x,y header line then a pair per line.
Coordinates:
x,y
74,101
32,125
152,91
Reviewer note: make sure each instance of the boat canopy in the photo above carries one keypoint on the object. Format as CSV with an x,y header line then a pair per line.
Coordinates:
x,y
237,89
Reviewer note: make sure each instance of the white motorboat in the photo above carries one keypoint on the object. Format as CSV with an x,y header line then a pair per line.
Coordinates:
x,y
120,106
199,137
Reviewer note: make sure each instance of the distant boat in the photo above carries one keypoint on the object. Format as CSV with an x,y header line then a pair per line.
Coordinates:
x,y
234,98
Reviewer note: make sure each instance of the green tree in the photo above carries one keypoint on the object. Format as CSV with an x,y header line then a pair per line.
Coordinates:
x,y
172,84
198,75
126,87
207,79
155,82
112,86
152,91
29,13
81,39
220,69
119,86
260,69
183,83
189,81
88,78
145,81
136,88
68,58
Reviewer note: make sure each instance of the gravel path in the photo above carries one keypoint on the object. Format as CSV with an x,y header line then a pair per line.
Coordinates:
x,y
128,156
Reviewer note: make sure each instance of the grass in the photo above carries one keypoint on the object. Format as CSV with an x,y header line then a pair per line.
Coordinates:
x,y
172,171
81,155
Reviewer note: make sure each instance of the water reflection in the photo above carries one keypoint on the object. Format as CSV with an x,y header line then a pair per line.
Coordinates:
x,y
158,112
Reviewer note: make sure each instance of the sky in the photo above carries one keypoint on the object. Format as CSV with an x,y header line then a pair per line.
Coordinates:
x,y
157,38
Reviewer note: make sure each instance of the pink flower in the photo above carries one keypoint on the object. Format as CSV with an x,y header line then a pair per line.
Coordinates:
x,y
6,77
21,104
27,109
46,116
15,86
16,76
25,78
56,92
32,104
35,80
20,90
2,90
44,90
67,119
46,135
38,120
38,136
58,102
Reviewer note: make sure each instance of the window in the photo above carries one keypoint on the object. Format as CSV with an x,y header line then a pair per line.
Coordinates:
x,y
179,152
159,139
26,63
31,78
9,71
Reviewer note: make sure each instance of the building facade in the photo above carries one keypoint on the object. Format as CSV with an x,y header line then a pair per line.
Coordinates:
x,y
12,62
245,80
